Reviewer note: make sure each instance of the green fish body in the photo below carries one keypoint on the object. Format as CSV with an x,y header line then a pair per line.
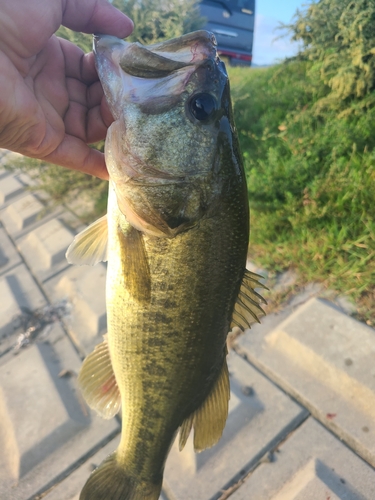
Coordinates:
x,y
176,238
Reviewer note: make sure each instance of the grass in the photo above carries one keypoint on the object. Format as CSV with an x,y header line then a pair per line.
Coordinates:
x,y
311,179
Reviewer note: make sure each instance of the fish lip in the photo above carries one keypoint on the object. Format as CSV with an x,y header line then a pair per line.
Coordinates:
x,y
107,51
107,47
107,41
95,38
191,49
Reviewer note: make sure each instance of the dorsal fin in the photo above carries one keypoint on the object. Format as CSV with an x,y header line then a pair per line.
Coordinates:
x,y
247,308
209,420
98,383
90,245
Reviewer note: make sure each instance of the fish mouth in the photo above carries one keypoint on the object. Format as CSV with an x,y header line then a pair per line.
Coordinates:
x,y
160,59
133,73
167,100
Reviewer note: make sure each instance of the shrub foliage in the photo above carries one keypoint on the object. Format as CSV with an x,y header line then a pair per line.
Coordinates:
x,y
307,130
339,37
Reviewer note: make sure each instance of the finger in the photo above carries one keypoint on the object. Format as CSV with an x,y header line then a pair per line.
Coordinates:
x,y
77,91
77,64
95,97
88,115
75,154
96,16
94,94
86,125
96,127
75,121
106,113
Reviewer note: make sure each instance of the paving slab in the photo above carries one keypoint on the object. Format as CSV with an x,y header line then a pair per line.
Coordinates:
x,y
3,171
189,475
70,488
84,288
21,214
314,356
19,293
44,248
10,188
261,415
45,426
312,464
28,212
8,157
9,257
325,359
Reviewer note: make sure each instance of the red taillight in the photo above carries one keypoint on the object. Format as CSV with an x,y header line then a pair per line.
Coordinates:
x,y
234,55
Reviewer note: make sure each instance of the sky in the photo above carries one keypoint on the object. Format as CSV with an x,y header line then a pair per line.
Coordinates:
x,y
268,15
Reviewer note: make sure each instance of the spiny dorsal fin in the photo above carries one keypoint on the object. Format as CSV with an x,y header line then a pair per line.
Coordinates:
x,y
90,245
247,307
98,383
209,420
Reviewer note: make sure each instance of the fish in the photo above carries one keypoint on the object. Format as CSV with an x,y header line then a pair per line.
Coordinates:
x,y
175,238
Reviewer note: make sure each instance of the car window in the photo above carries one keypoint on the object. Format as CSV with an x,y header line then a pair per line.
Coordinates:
x,y
241,5
245,6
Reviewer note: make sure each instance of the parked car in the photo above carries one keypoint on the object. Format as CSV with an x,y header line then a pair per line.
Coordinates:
x,y
232,22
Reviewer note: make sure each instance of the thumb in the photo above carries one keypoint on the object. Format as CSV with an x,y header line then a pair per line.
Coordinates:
x,y
96,16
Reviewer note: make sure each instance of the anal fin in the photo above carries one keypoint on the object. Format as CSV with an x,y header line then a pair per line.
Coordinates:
x,y
209,420
98,383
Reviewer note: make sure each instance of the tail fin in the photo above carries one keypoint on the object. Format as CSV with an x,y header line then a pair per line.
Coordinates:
x,y
111,482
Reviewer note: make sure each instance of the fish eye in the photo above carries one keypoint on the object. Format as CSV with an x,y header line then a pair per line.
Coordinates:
x,y
202,106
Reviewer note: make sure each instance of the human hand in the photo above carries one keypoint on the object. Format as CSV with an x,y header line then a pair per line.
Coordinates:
x,y
51,100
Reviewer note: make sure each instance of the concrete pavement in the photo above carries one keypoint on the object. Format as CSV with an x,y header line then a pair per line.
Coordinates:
x,y
302,409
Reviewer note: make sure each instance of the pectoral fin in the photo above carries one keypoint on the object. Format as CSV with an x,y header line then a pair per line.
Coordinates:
x,y
135,266
247,308
98,383
90,246
209,420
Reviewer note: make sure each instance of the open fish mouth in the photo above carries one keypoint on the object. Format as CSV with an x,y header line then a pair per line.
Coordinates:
x,y
156,74
169,101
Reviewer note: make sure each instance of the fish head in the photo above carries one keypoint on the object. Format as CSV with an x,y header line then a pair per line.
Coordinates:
x,y
171,106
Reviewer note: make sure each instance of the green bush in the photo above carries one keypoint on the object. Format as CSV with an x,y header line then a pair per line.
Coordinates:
x,y
311,176
339,37
307,130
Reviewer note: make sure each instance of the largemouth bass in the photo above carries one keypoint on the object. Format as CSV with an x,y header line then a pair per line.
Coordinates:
x,y
176,238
